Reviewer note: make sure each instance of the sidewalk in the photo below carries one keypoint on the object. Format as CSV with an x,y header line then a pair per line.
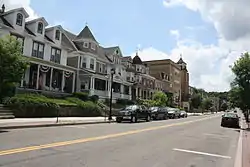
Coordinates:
x,y
46,122
245,145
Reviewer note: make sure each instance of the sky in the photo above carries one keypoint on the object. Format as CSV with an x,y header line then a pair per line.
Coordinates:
x,y
209,34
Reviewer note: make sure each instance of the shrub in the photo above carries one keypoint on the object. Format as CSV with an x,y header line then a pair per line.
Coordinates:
x,y
124,102
81,95
94,98
88,108
32,105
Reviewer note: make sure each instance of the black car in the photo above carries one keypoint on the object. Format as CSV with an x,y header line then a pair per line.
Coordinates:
x,y
158,113
230,120
173,113
183,114
133,113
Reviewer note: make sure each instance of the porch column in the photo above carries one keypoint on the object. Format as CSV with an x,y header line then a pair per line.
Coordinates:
x,y
37,77
121,89
136,93
130,90
73,84
51,77
63,81
92,83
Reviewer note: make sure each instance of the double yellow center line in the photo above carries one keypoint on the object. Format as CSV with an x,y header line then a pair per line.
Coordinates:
x,y
84,140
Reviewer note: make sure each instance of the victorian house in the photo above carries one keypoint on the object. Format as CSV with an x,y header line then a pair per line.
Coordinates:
x,y
95,66
45,49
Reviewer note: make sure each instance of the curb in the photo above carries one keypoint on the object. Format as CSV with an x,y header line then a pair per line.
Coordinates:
x,y
53,125
239,151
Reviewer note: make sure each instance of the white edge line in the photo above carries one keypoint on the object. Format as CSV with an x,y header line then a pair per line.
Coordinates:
x,y
202,153
238,157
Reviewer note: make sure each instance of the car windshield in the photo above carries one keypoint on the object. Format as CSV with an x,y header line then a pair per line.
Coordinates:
x,y
153,108
231,115
133,107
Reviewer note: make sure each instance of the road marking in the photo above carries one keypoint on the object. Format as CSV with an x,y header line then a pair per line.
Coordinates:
x,y
81,127
84,140
202,153
215,135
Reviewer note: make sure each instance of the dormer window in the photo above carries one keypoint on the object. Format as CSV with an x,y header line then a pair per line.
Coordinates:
x,y
58,35
19,19
85,44
92,46
40,28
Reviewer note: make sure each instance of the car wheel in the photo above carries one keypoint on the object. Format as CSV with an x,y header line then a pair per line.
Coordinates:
x,y
148,118
133,119
119,120
164,117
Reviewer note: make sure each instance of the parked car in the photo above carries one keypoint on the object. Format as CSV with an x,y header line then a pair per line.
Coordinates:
x,y
133,113
158,113
173,113
183,114
230,119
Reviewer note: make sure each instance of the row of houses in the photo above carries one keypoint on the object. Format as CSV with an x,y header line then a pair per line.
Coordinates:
x,y
63,62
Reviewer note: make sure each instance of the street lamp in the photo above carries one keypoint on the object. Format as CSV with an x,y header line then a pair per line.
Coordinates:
x,y
112,72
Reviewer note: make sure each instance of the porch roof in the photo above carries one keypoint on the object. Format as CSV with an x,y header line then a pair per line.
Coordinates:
x,y
51,64
87,74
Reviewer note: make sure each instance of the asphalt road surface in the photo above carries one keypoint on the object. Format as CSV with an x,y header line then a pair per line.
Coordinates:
x,y
189,142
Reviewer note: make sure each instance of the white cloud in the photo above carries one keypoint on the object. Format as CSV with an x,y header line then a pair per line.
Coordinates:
x,y
175,33
209,64
11,4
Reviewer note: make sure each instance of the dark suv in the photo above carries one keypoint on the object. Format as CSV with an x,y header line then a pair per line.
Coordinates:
x,y
133,113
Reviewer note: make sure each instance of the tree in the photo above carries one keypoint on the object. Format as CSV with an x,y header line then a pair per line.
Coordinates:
x,y
207,103
223,106
160,99
12,65
241,83
196,100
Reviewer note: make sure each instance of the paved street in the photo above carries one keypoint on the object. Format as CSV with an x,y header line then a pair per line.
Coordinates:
x,y
190,142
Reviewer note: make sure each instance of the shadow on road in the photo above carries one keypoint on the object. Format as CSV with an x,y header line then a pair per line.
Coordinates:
x,y
3,131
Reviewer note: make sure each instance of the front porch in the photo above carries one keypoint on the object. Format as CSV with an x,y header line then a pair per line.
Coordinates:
x,y
42,77
142,93
100,85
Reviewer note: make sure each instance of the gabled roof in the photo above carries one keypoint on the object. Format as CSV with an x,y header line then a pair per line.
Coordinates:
x,y
112,50
17,10
38,19
70,35
86,34
51,28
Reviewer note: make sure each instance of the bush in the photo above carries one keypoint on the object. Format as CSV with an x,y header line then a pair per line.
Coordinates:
x,y
88,108
81,95
94,98
32,105
124,102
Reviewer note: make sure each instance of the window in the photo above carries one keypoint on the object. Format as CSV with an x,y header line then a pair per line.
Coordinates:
x,y
58,35
92,64
20,39
93,46
84,62
19,19
38,50
86,44
55,55
40,28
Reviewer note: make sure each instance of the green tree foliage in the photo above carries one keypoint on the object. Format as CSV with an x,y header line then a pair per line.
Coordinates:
x,y
223,107
207,103
196,101
160,99
12,65
241,84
